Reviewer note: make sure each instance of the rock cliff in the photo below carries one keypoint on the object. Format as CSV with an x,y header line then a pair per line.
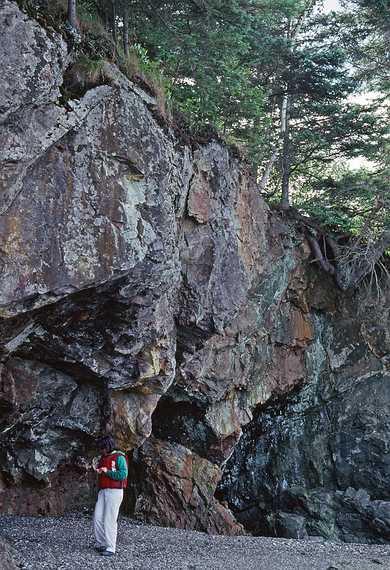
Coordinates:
x,y
316,462
147,289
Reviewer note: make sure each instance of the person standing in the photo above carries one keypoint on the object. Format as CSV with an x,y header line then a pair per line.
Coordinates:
x,y
112,470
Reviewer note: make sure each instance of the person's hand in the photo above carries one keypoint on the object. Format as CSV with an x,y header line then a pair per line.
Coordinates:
x,y
102,470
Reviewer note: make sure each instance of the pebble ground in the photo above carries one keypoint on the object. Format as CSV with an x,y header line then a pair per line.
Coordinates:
x,y
65,543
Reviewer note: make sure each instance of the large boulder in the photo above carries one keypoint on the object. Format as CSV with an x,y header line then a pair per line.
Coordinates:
x,y
175,487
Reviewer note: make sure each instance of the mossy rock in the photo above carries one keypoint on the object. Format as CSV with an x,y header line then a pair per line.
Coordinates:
x,y
82,75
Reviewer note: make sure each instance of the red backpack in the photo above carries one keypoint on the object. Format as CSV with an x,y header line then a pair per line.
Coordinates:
x,y
110,462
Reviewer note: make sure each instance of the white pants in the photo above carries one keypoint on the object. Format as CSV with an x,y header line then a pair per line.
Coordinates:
x,y
105,517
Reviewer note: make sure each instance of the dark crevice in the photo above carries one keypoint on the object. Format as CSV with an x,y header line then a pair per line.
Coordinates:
x,y
181,422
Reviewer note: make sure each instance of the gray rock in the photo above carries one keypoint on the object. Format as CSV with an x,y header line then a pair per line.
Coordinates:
x,y
7,561
289,525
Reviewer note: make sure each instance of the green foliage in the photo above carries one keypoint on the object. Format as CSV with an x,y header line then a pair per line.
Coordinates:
x,y
230,102
89,17
205,53
344,200
365,35
85,73
92,68
138,66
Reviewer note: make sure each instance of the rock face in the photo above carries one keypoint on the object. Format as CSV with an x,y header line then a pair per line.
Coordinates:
x,y
317,462
90,269
147,290
177,489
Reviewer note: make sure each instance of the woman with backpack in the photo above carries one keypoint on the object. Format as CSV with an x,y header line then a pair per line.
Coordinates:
x,y
112,470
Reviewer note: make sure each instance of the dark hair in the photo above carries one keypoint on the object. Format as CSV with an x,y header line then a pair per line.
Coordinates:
x,y
106,442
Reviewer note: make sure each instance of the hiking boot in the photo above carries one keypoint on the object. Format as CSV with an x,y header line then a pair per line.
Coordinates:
x,y
100,548
108,553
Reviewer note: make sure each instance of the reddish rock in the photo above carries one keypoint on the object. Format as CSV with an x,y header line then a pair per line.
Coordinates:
x,y
175,487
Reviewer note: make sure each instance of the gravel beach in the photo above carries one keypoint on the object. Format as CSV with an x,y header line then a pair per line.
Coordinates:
x,y
65,543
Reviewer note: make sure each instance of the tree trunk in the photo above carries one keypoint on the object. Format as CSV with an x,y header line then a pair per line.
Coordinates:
x,y
107,18
293,30
319,256
113,15
126,29
267,171
286,159
72,14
